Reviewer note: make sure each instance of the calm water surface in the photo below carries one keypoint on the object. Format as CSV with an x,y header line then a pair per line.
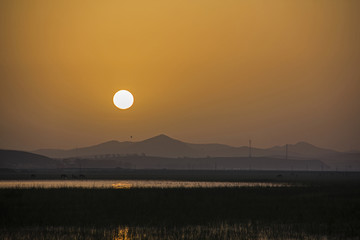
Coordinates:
x,y
129,184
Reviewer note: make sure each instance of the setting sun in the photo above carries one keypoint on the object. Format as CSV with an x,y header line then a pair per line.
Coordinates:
x,y
246,119
123,99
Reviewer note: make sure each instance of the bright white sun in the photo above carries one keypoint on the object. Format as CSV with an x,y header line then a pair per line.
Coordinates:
x,y
123,99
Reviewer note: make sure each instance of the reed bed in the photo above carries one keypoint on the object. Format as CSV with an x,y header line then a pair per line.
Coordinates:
x,y
330,211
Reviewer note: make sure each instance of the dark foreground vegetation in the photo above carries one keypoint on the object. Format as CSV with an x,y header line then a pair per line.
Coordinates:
x,y
181,175
331,210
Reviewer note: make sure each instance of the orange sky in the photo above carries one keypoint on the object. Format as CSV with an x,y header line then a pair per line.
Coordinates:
x,y
201,71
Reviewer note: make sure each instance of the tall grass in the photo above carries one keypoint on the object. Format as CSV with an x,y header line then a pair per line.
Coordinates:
x,y
331,210
195,232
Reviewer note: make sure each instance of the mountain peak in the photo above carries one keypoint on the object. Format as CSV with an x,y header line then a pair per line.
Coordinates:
x,y
161,138
308,149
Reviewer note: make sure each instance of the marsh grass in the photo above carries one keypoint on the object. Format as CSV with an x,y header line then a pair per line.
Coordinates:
x,y
196,232
298,212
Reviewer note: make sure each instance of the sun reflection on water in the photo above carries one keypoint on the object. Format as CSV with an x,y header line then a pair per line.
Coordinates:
x,y
121,185
122,234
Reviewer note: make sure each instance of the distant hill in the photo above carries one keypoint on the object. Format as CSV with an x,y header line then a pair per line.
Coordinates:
x,y
164,152
110,147
18,159
301,149
166,147
160,146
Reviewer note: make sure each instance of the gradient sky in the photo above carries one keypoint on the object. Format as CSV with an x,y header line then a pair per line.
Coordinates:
x,y
201,71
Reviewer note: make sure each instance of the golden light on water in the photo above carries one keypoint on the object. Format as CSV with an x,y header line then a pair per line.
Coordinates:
x,y
129,184
122,234
121,185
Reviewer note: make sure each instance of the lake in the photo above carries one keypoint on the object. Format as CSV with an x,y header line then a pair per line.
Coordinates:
x,y
116,184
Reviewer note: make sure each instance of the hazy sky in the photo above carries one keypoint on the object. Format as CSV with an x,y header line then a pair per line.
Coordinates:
x,y
275,71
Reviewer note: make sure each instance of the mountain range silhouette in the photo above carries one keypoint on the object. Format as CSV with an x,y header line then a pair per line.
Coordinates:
x,y
165,149
165,146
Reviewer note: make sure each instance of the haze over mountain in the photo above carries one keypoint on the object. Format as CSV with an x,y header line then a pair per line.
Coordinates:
x,y
161,146
163,152
164,146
